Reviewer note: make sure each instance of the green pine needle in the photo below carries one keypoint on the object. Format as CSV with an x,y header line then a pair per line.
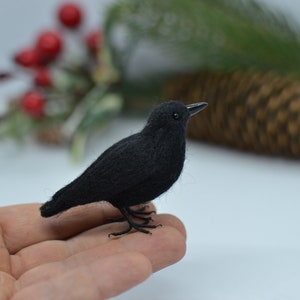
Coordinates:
x,y
218,35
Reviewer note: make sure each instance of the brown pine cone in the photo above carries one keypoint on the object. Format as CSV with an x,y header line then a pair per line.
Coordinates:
x,y
247,110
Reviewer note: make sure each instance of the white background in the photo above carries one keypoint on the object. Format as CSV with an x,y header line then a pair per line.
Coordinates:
x,y
241,210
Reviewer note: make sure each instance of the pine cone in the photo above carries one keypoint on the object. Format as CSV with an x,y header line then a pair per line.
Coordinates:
x,y
247,110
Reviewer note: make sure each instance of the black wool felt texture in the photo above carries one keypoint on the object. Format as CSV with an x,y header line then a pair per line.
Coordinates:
x,y
135,170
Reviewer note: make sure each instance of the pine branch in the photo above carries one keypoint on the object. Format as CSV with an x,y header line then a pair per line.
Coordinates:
x,y
217,35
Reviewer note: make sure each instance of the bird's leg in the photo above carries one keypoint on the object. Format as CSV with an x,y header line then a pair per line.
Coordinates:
x,y
141,211
132,224
137,213
145,219
141,214
121,219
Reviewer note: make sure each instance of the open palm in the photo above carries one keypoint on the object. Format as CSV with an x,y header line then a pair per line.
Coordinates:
x,y
71,256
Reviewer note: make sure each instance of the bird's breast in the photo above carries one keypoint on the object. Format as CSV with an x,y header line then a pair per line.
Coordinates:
x,y
170,155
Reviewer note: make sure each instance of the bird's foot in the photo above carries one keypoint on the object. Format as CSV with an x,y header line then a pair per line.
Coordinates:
x,y
141,227
141,213
137,227
121,219
138,214
120,232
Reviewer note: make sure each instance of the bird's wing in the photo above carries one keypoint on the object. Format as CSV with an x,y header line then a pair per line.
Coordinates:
x,y
122,166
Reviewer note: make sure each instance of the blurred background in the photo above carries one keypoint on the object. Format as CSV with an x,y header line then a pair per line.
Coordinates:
x,y
62,105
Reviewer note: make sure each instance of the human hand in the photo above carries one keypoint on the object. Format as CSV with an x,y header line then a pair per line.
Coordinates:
x,y
70,256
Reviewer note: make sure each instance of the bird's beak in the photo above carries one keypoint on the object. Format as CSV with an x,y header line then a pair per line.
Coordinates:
x,y
196,107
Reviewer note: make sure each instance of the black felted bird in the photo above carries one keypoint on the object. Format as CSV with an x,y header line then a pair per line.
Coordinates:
x,y
135,170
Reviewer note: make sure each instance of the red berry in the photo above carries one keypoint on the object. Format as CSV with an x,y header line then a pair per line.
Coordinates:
x,y
49,45
70,15
27,58
93,41
43,77
33,103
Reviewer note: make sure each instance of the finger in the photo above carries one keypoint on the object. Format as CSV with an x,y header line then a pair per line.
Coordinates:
x,y
23,225
7,285
101,279
165,246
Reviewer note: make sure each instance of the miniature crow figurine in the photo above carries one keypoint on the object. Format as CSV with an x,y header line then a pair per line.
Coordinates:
x,y
135,170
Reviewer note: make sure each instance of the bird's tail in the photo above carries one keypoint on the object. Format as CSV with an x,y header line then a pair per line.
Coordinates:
x,y
49,209
56,205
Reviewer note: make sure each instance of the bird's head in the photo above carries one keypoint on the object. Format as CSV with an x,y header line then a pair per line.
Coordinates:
x,y
172,114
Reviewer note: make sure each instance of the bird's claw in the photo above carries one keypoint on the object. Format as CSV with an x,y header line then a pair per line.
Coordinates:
x,y
128,214
137,227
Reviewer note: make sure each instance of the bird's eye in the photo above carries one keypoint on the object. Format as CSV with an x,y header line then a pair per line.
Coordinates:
x,y
175,116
